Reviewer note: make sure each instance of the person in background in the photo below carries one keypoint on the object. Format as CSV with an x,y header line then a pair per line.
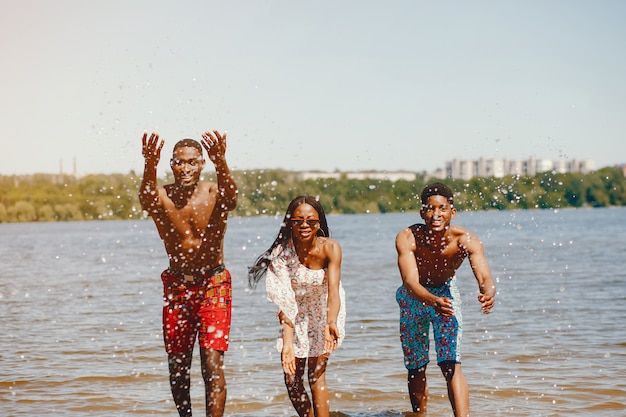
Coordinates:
x,y
303,270
429,255
190,216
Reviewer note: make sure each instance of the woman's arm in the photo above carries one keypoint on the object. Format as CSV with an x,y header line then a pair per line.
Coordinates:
x,y
287,356
334,257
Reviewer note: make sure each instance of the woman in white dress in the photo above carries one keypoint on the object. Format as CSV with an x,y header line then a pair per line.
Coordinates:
x,y
302,271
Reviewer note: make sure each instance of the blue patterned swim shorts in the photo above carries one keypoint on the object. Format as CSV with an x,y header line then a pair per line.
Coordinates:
x,y
415,319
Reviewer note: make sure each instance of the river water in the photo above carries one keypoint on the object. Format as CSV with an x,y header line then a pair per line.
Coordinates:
x,y
81,331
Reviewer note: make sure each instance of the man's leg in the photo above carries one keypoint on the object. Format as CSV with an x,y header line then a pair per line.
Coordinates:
x,y
180,367
317,382
297,393
458,393
415,320
418,389
214,381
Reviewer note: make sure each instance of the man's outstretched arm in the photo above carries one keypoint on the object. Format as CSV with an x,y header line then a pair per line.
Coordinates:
x,y
148,193
215,145
480,268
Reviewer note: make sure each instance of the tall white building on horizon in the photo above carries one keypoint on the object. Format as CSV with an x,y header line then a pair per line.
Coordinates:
x,y
466,169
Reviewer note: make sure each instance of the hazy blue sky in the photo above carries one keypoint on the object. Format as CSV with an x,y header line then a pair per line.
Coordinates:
x,y
348,85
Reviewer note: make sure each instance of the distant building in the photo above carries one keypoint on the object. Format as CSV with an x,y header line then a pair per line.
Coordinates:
x,y
466,169
62,173
316,175
359,175
387,176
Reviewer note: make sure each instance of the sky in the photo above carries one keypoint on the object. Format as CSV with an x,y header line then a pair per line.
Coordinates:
x,y
324,85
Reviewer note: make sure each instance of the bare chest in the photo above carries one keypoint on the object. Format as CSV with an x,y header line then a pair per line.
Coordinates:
x,y
187,216
194,216
438,263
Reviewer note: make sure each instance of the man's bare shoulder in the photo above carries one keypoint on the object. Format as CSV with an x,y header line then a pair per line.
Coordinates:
x,y
403,234
163,190
409,232
405,239
207,187
465,237
204,188
460,232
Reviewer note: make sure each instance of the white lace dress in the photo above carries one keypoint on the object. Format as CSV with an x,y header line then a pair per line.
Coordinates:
x,y
302,295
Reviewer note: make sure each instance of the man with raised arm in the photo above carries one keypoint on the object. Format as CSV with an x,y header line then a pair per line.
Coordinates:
x,y
190,216
429,255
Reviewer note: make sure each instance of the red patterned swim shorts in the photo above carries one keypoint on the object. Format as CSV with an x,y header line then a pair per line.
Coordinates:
x,y
196,306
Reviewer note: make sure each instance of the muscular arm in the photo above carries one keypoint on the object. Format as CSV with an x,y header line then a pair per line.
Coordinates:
x,y
480,268
226,187
148,192
215,144
405,246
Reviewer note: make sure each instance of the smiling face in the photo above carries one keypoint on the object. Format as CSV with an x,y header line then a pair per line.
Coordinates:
x,y
305,222
187,165
437,213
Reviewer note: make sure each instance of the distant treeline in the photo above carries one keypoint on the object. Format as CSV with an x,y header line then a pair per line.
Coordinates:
x,y
46,197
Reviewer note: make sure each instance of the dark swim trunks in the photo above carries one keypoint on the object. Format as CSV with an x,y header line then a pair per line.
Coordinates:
x,y
196,305
415,319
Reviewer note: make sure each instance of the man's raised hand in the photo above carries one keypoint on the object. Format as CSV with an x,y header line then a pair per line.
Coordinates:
x,y
152,148
215,145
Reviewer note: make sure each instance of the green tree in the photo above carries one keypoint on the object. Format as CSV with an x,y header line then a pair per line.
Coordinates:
x,y
575,190
45,213
596,193
3,213
268,192
22,211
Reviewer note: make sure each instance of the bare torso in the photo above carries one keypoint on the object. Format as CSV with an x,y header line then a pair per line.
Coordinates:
x,y
192,226
438,259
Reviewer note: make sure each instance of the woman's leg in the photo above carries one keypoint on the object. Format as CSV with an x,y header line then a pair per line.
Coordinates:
x,y
297,393
317,382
